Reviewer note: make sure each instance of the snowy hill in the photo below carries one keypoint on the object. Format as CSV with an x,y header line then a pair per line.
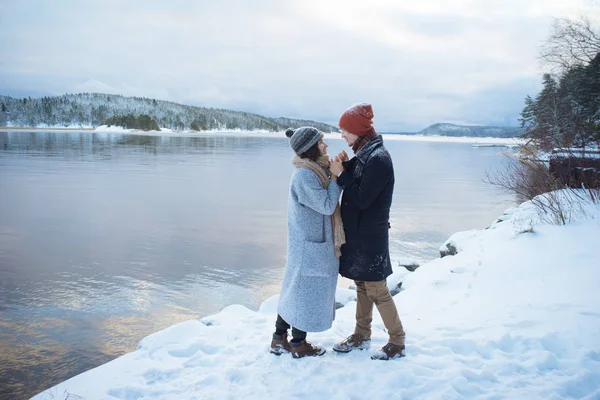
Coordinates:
x,y
444,129
514,315
96,109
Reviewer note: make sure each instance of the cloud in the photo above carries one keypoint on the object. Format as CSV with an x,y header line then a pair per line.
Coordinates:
x,y
417,62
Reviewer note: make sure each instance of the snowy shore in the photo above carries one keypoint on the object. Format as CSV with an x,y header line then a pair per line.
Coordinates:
x,y
479,141
514,315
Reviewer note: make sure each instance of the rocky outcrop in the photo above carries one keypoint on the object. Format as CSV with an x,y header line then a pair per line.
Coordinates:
x,y
448,249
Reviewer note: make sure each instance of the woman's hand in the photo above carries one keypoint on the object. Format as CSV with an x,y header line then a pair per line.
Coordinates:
x,y
336,167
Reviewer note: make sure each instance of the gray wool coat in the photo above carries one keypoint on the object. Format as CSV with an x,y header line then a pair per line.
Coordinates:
x,y
307,298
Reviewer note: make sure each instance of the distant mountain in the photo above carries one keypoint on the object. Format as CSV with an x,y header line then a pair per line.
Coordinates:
x,y
95,109
444,129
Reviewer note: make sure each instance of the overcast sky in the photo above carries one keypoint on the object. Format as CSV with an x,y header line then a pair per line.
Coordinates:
x,y
418,62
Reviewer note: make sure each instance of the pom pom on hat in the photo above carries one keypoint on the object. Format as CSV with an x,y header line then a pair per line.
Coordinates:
x,y
302,139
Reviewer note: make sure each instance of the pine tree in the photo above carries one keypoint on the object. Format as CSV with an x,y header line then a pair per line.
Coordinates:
x,y
541,116
566,113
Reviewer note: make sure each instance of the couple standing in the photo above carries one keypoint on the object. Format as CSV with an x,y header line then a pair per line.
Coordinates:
x,y
325,239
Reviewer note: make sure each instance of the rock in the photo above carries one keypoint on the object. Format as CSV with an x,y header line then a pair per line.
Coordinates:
x,y
502,218
343,296
397,290
460,241
409,263
449,251
411,267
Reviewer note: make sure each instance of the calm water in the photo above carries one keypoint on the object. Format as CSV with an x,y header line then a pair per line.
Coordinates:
x,y
105,239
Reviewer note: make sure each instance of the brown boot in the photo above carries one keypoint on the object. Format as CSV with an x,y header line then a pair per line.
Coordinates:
x,y
389,352
352,342
280,344
304,348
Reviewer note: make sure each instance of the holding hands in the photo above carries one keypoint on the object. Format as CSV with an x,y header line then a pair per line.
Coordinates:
x,y
343,156
335,166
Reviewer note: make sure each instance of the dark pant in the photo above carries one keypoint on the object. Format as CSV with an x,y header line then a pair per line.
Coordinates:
x,y
281,327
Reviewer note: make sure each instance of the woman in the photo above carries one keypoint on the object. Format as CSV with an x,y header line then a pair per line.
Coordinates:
x,y
315,235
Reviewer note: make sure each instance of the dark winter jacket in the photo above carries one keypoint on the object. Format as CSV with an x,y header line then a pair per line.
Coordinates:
x,y
368,183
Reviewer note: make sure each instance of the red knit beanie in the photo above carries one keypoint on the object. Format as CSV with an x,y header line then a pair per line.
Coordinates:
x,y
358,119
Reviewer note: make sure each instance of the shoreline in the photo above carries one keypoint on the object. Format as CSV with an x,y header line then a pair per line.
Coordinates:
x,y
489,141
446,303
27,128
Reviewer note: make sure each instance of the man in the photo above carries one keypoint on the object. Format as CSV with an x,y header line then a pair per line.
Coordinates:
x,y
368,183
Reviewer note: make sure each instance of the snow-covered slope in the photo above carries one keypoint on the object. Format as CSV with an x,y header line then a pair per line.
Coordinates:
x,y
445,129
95,109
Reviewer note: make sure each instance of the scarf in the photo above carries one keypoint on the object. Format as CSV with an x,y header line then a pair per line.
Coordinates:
x,y
363,139
320,169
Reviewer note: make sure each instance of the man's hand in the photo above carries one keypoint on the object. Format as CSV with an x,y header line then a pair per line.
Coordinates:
x,y
343,156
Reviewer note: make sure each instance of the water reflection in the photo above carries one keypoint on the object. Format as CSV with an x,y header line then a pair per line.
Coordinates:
x,y
61,144
107,238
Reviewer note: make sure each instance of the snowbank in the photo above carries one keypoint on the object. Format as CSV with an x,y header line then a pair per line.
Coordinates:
x,y
515,314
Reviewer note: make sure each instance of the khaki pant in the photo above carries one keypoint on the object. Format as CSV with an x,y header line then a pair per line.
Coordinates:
x,y
369,293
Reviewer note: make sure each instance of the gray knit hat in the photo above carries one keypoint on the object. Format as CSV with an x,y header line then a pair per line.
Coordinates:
x,y
302,139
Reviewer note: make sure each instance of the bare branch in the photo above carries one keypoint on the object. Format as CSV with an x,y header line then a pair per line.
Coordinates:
x,y
572,43
529,178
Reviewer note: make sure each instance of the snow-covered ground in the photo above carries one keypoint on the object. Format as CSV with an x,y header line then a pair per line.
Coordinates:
x,y
514,315
588,152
